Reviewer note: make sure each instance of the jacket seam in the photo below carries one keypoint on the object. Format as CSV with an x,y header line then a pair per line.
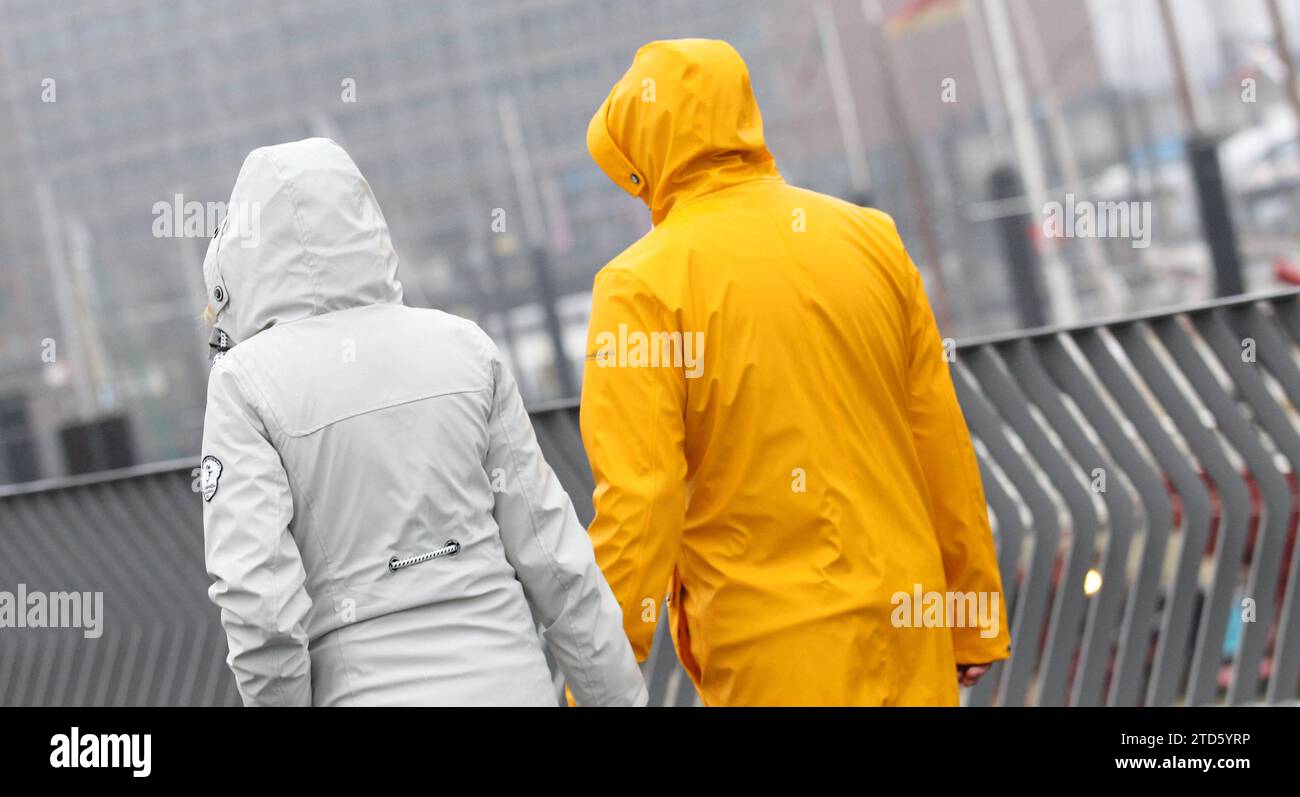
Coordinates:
x,y
301,227
631,274
762,178
310,430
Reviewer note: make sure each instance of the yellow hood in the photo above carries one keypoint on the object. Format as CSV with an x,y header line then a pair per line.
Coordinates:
x,y
682,122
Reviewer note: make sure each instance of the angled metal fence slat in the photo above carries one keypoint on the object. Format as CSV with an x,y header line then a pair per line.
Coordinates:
x,y
1094,656
71,522
109,670
1234,493
1067,607
9,653
126,670
44,554
1229,486
29,654
146,683
1276,355
63,676
148,547
1285,683
174,646
88,664
1010,533
1276,495
1035,593
1140,617
1194,497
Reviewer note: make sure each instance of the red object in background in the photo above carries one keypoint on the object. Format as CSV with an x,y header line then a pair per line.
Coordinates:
x,y
918,14
1286,271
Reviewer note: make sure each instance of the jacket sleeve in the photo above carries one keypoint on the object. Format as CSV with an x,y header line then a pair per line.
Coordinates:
x,y
957,504
634,433
257,573
552,556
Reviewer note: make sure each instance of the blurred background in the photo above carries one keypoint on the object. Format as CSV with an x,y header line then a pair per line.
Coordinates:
x,y
964,119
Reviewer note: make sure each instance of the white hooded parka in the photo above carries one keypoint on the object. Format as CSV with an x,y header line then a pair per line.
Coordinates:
x,y
378,517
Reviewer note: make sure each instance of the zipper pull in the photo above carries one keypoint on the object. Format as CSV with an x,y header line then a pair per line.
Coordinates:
x,y
449,548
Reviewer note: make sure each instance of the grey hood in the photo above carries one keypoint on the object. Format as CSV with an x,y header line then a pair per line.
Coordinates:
x,y
303,236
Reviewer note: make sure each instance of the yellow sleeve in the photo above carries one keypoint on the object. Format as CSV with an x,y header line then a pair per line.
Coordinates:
x,y
952,475
633,430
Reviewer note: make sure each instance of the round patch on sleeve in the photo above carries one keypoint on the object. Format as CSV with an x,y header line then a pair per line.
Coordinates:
x,y
211,476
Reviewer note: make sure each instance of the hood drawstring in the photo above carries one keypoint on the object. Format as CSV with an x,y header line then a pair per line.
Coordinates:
x,y
220,344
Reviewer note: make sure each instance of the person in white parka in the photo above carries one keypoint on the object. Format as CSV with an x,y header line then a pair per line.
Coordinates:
x,y
380,525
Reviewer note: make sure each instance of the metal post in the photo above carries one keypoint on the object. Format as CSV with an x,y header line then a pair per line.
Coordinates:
x,y
1060,289
1216,220
1288,63
1109,285
1203,159
1025,271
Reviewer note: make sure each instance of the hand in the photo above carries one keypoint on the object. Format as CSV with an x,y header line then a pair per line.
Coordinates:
x,y
970,674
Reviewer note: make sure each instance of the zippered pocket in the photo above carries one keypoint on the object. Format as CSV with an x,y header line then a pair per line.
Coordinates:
x,y
449,548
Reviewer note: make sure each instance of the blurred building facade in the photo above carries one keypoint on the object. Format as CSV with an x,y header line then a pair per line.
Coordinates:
x,y
155,100
108,108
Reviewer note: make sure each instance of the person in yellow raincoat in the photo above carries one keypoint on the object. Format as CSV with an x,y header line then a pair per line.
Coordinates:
x,y
772,428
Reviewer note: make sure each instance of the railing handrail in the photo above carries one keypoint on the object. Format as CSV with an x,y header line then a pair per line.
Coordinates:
x,y
54,483
1187,308
571,403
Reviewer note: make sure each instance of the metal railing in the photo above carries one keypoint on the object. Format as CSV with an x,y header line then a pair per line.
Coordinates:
x,y
1140,475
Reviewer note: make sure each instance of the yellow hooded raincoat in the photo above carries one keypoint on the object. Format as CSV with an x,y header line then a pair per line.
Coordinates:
x,y
772,428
